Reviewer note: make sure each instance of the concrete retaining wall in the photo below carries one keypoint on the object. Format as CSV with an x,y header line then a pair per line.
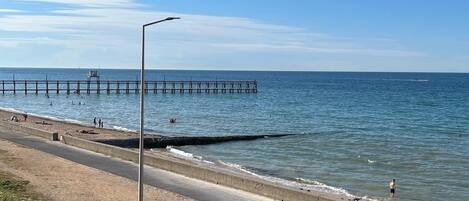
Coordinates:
x,y
249,184
256,186
164,141
105,149
15,126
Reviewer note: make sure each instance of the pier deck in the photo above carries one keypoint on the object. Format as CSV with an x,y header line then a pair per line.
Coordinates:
x,y
126,86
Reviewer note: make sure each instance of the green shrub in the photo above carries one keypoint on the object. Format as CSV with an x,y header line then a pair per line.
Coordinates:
x,y
16,190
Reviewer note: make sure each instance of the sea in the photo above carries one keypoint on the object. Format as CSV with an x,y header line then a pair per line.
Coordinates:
x,y
355,131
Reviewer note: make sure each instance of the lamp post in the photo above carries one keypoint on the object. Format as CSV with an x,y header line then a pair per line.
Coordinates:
x,y
142,92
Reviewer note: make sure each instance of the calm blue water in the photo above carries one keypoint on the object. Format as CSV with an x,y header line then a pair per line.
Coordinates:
x,y
358,130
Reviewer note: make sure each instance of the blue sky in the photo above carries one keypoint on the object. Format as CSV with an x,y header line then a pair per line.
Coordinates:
x,y
311,35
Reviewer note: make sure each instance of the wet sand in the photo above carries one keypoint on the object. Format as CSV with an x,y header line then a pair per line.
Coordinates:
x,y
88,132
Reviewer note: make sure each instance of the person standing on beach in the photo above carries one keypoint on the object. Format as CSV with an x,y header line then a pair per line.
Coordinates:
x,y
392,187
99,123
94,122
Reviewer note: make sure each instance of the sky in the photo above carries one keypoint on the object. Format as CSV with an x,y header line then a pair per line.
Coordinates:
x,y
293,35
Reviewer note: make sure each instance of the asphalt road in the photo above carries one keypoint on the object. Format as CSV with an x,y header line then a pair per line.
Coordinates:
x,y
193,188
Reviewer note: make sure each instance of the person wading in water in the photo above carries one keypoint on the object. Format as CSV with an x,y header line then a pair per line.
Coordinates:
x,y
392,187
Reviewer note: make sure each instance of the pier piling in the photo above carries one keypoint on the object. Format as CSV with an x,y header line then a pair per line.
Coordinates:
x,y
88,87
114,86
118,91
47,86
68,87
98,87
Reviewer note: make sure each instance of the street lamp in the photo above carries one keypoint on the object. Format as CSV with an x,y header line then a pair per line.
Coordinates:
x,y
142,92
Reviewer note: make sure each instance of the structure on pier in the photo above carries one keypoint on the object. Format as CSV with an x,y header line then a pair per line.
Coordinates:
x,y
126,86
93,74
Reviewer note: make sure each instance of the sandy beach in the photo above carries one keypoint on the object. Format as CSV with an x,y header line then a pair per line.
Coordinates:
x,y
67,181
86,132
69,175
67,128
73,129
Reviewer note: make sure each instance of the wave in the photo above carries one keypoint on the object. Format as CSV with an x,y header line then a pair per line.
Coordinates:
x,y
9,109
329,188
123,129
74,121
407,80
186,155
299,183
389,79
45,116
62,119
67,120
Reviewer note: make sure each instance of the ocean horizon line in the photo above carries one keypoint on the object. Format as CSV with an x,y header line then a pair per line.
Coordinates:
x,y
234,70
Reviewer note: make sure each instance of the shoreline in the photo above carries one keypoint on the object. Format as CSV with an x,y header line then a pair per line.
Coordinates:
x,y
124,137
66,127
72,129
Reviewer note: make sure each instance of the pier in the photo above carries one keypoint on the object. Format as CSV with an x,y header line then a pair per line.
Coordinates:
x,y
126,86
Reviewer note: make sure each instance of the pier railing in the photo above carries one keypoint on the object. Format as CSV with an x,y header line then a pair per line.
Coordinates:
x,y
126,86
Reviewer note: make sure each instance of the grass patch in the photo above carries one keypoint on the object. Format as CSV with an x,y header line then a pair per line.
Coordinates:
x,y
15,189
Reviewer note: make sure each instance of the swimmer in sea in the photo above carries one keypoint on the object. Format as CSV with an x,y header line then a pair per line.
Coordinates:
x,y
392,187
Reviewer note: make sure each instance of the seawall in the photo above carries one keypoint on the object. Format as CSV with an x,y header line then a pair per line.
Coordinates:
x,y
164,141
238,181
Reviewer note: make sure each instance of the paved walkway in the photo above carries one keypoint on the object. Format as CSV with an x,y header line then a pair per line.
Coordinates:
x,y
193,188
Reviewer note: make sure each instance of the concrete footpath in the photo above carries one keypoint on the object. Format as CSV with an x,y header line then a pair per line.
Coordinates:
x,y
193,188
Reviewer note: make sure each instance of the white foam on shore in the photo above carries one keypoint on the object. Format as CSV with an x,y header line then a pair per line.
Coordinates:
x,y
74,121
186,155
45,116
9,109
300,183
123,129
67,120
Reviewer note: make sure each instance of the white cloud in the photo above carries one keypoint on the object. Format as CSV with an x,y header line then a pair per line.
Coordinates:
x,y
16,41
90,3
97,29
10,11
303,48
